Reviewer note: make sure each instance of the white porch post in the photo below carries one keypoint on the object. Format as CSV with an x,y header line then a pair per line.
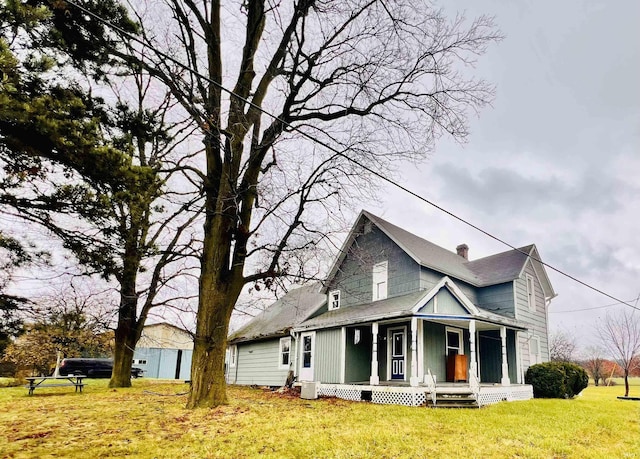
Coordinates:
x,y
473,365
414,380
505,365
374,379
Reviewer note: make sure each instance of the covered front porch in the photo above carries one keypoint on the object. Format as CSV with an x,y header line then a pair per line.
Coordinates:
x,y
426,349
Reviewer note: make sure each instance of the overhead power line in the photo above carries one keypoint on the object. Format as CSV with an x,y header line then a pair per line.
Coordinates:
x,y
341,153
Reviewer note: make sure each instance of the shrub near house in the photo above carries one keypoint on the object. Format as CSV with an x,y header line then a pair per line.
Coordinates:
x,y
556,379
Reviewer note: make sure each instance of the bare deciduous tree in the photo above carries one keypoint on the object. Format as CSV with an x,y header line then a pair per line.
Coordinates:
x,y
562,346
620,336
595,364
371,80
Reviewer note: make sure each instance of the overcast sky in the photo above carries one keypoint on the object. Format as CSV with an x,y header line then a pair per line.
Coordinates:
x,y
555,161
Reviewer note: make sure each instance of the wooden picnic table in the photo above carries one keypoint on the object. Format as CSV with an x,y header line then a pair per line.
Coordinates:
x,y
46,381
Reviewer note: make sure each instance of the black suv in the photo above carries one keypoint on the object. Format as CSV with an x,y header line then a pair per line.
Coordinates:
x,y
93,368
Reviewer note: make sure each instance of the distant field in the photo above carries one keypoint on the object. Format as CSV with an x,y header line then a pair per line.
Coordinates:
x,y
149,420
633,382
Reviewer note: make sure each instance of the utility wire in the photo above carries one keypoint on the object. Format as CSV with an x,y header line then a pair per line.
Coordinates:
x,y
596,307
341,153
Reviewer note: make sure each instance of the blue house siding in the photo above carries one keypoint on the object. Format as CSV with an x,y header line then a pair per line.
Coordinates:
x,y
497,298
354,276
163,363
434,350
358,355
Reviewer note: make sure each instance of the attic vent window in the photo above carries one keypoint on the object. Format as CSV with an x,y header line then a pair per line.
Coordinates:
x,y
334,300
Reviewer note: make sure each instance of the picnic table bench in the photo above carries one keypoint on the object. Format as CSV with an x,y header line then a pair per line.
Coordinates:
x,y
50,381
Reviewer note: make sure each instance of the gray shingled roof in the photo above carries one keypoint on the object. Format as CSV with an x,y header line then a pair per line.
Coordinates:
x,y
281,316
392,307
491,270
399,306
501,267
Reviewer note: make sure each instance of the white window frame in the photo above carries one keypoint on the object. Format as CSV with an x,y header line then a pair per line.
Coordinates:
x,y
535,357
380,280
531,292
233,355
282,366
334,300
460,340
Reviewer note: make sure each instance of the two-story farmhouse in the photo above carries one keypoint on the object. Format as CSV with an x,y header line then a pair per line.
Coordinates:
x,y
402,320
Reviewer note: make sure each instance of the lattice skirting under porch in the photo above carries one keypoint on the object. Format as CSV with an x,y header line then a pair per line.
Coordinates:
x,y
490,395
384,395
417,396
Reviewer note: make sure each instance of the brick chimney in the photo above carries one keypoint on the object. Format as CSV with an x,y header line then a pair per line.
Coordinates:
x,y
463,251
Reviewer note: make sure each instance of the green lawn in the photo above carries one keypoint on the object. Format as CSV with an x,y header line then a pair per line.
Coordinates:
x,y
149,420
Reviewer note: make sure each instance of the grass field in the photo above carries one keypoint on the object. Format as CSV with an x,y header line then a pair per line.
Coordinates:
x,y
149,421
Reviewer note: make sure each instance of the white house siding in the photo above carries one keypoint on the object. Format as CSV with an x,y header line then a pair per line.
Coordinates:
x,y
257,363
535,321
327,356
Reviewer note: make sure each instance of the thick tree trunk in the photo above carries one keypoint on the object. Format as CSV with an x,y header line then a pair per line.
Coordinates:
x,y
208,386
127,334
122,361
219,289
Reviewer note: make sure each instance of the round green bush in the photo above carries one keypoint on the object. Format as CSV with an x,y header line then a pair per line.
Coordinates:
x,y
556,379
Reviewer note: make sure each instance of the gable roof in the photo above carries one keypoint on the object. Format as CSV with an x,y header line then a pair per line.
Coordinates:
x,y
405,306
491,270
279,318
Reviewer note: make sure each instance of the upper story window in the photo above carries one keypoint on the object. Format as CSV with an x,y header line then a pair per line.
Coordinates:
x,y
334,300
531,293
285,353
380,281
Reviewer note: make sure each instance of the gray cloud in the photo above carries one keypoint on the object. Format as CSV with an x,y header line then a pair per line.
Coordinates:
x,y
501,191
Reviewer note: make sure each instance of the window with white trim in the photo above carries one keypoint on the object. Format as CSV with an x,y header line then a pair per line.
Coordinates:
x,y
285,353
380,280
534,350
233,355
531,293
454,344
334,300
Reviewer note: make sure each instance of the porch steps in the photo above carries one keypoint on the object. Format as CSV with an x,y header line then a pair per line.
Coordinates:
x,y
453,399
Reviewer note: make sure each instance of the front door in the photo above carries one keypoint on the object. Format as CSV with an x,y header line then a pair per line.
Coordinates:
x,y
398,360
307,341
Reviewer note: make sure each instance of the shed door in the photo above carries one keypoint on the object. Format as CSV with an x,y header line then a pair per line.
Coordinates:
x,y
307,341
